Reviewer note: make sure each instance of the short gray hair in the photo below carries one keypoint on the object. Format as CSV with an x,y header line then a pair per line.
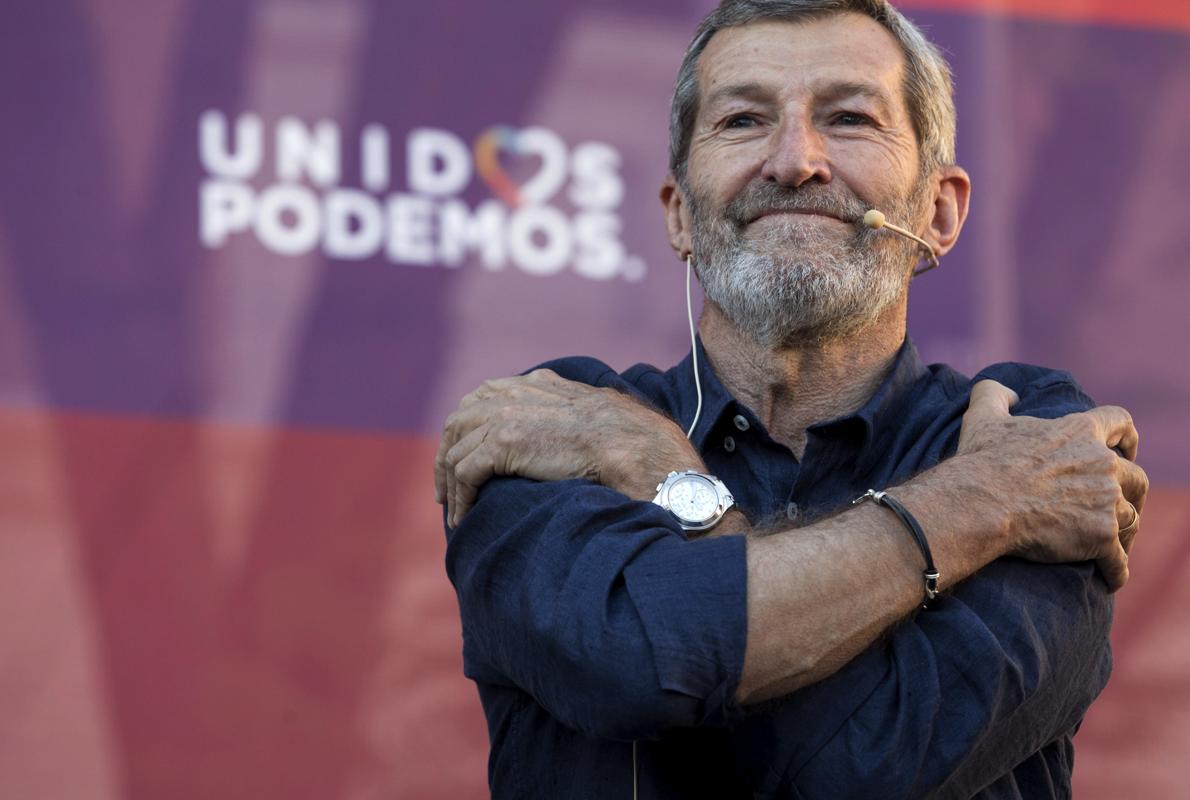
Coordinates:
x,y
929,92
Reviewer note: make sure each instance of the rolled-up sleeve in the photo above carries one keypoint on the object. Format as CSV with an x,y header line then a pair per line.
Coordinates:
x,y
599,608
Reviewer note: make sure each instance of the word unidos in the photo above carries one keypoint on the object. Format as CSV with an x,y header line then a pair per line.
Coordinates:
x,y
307,208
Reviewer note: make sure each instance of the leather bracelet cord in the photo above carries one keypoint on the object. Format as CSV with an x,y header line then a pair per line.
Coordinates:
x,y
931,574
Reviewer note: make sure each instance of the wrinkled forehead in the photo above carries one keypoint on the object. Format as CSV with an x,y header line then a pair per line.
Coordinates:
x,y
816,57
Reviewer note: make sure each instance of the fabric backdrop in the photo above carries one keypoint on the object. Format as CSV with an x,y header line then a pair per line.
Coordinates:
x,y
253,251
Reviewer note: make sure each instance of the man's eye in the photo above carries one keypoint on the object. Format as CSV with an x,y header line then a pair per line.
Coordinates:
x,y
851,118
740,121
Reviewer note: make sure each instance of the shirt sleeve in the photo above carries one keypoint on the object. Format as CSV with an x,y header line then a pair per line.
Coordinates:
x,y
599,608
950,700
956,697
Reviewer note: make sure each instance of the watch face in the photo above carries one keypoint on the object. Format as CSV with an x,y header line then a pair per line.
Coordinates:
x,y
693,498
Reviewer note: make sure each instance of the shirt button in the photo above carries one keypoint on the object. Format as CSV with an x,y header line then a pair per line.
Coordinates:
x,y
791,511
740,422
729,444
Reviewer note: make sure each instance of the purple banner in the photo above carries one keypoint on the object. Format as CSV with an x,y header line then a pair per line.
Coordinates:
x,y
252,253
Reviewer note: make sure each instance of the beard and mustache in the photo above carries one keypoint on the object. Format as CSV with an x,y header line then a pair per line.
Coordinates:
x,y
792,279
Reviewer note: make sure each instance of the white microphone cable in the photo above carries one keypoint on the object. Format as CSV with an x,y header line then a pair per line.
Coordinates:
x,y
693,348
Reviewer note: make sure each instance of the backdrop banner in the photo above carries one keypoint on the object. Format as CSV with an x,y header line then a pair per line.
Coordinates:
x,y
252,253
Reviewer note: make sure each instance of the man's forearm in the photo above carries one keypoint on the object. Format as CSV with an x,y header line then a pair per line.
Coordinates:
x,y
948,700
817,596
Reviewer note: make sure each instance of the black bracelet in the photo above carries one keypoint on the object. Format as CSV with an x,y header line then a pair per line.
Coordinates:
x,y
931,574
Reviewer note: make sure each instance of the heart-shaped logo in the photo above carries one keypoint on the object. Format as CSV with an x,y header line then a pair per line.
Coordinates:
x,y
538,142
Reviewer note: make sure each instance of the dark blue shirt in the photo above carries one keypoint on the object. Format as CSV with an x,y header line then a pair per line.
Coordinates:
x,y
591,621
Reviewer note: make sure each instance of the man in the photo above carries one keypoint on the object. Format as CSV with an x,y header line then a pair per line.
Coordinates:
x,y
618,654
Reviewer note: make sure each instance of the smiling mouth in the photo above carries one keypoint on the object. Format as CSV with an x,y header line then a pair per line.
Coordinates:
x,y
785,212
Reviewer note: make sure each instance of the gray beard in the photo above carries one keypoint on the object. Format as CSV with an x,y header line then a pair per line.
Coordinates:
x,y
794,280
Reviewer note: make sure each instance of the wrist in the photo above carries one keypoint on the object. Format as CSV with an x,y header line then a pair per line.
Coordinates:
x,y
734,523
636,472
961,500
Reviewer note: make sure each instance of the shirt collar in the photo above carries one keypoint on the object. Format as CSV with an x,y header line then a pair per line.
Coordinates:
x,y
880,411
875,415
716,400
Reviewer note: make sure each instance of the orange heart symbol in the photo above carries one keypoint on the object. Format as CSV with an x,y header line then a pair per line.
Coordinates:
x,y
487,162
534,142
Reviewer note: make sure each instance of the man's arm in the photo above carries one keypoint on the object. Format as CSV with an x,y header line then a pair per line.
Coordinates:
x,y
949,700
961,693
598,607
1011,475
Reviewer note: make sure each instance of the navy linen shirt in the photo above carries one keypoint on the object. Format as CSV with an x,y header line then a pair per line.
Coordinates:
x,y
590,620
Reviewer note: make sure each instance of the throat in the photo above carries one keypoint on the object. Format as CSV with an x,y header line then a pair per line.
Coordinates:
x,y
792,388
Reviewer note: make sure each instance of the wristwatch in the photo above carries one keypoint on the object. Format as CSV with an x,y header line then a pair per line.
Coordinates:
x,y
696,500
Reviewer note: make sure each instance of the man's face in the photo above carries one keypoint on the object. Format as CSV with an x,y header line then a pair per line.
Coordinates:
x,y
801,128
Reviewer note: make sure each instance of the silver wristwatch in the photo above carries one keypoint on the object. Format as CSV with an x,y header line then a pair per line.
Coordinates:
x,y
696,500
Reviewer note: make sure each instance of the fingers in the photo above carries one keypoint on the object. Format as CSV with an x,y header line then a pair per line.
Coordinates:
x,y
469,466
1114,567
457,425
508,388
450,435
1127,515
1116,428
1134,488
1134,483
440,472
1128,523
474,410
540,426
989,400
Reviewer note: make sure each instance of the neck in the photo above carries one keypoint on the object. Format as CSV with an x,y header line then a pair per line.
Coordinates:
x,y
793,387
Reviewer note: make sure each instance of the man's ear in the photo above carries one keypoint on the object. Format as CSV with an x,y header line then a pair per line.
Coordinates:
x,y
677,216
950,207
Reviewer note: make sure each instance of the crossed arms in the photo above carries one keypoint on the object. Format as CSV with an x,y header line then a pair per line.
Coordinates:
x,y
1046,490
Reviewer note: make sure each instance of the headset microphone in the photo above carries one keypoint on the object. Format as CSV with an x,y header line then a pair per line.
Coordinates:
x,y
875,220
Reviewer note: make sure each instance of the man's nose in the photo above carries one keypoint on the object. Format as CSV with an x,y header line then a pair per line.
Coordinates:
x,y
797,154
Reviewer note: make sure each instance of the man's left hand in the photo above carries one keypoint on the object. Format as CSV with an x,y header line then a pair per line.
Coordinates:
x,y
544,427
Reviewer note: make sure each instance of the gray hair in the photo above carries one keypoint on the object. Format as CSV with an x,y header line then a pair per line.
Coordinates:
x,y
929,93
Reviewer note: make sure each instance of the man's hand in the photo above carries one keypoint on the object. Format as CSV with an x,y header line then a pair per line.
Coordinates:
x,y
544,427
1070,484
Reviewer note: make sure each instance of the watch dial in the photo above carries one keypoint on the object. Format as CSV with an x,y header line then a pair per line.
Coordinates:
x,y
693,499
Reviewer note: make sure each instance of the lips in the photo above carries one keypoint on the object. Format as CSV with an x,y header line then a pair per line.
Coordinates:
x,y
786,211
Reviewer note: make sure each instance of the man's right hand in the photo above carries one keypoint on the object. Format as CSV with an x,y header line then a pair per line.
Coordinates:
x,y
1069,485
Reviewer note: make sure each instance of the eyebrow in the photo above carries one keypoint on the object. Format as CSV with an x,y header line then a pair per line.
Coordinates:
x,y
731,91
846,89
831,92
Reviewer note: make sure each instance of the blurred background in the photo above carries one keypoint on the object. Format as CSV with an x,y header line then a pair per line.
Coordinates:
x,y
253,251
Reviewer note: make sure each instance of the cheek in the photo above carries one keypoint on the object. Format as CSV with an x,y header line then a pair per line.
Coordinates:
x,y
721,170
877,174
874,158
